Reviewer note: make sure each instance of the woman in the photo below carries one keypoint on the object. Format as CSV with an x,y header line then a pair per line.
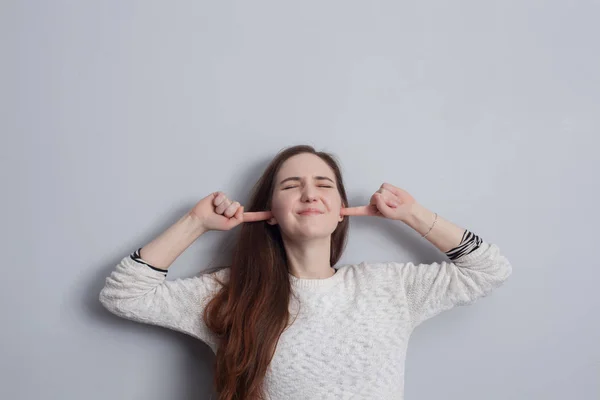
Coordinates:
x,y
283,320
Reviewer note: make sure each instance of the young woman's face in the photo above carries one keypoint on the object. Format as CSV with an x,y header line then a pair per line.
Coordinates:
x,y
306,181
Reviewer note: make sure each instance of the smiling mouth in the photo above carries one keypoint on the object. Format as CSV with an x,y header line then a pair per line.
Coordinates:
x,y
310,213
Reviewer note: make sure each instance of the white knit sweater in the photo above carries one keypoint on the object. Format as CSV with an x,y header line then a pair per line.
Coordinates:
x,y
350,337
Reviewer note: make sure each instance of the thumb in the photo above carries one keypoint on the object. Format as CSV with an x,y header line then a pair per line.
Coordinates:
x,y
239,216
235,219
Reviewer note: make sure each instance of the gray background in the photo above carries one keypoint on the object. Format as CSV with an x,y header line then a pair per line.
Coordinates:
x,y
118,116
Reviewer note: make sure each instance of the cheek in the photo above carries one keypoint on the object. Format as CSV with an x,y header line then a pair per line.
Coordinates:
x,y
333,202
280,206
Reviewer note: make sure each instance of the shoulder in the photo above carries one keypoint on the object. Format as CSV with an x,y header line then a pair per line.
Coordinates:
x,y
372,270
206,283
215,274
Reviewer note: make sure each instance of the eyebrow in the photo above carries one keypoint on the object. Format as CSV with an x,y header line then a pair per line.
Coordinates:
x,y
297,178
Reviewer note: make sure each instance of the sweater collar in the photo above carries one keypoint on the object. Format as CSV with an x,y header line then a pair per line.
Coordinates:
x,y
316,283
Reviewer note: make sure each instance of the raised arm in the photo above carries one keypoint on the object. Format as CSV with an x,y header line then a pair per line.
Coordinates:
x,y
475,268
138,289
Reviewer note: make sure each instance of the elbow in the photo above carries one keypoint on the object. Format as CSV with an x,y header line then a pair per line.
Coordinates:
x,y
482,283
496,266
106,301
112,301
496,277
504,270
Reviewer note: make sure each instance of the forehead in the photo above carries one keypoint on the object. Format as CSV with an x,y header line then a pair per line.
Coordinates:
x,y
304,164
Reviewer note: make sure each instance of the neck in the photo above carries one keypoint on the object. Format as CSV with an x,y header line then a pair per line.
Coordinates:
x,y
309,259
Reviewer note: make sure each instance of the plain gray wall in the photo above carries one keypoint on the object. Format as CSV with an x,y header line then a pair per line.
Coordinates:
x,y
118,116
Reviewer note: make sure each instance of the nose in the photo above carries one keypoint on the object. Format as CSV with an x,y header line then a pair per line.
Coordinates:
x,y
308,194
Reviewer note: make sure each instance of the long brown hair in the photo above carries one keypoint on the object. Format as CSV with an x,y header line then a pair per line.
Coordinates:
x,y
250,311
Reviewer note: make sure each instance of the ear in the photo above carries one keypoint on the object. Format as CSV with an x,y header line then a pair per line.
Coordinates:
x,y
272,221
341,216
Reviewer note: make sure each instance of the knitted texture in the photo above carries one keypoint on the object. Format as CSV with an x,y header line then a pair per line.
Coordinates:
x,y
350,336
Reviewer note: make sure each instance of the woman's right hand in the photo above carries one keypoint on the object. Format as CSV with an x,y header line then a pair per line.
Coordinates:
x,y
217,212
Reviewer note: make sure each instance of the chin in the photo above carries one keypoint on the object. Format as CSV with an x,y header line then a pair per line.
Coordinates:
x,y
308,233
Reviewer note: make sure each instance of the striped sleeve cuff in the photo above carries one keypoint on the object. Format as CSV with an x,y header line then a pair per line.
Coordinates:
x,y
135,256
468,244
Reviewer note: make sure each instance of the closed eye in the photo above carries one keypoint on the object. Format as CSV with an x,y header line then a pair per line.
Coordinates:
x,y
289,187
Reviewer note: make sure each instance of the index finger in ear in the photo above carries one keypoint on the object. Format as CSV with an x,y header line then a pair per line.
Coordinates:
x,y
358,211
257,216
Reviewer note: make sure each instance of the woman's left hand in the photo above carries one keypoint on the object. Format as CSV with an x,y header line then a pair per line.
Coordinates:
x,y
389,202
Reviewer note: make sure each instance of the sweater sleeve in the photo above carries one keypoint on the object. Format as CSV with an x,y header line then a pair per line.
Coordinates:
x,y
138,291
475,269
